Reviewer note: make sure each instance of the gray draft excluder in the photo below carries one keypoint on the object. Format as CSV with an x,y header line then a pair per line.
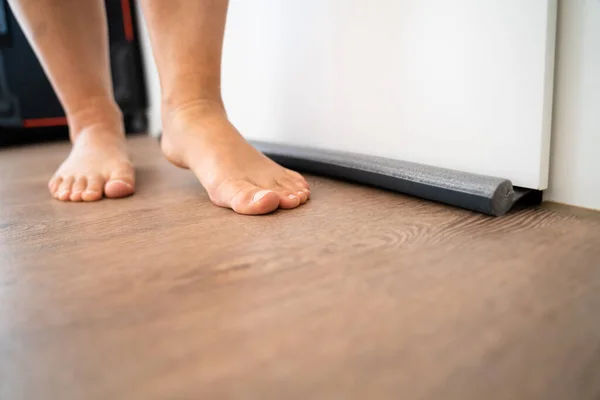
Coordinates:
x,y
484,194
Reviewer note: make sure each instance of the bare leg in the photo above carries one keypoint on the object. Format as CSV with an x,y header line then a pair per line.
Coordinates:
x,y
70,39
187,39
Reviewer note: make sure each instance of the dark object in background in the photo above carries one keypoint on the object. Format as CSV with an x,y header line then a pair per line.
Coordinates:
x,y
29,109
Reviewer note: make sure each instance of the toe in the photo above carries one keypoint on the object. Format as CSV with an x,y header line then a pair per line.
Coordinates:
x,y
302,192
78,187
298,192
93,190
298,183
121,182
302,196
246,198
307,192
54,184
64,190
288,200
294,188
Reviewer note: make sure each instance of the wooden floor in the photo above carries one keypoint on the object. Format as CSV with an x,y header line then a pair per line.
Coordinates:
x,y
360,294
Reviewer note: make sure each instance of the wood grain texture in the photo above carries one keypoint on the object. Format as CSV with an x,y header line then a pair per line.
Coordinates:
x,y
360,294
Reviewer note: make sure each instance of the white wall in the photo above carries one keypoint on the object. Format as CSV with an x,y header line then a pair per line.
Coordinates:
x,y
151,75
463,84
575,156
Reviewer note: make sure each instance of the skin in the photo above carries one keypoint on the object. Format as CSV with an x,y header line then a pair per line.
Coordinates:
x,y
70,39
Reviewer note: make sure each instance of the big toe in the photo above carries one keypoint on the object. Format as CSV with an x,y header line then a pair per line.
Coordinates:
x,y
121,182
246,198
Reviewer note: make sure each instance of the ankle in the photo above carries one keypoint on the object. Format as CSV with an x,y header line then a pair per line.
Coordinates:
x,y
204,120
196,107
192,88
95,115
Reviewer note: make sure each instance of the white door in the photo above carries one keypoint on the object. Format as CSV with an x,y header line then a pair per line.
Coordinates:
x,y
462,84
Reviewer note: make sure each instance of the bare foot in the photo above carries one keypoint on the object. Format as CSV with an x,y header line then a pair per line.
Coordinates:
x,y
236,175
97,166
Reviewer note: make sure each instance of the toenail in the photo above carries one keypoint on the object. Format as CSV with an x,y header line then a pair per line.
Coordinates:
x,y
121,181
259,195
293,196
